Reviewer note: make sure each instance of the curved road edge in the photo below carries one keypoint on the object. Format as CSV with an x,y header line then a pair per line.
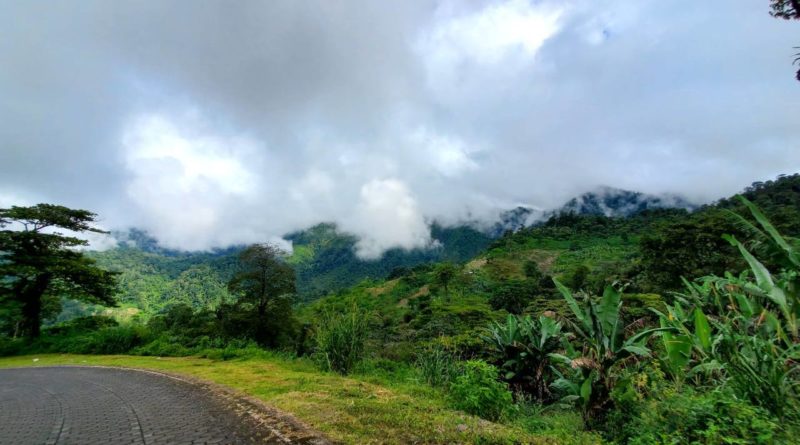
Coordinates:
x,y
284,426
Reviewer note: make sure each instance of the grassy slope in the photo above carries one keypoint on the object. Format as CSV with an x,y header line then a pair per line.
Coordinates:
x,y
354,410
414,309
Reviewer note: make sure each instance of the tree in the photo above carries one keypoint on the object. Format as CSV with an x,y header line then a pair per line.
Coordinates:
x,y
532,271
39,266
444,274
513,295
787,10
689,248
604,345
267,282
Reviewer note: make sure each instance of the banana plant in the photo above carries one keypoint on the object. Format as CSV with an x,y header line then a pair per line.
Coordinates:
x,y
783,292
689,343
750,337
523,343
603,346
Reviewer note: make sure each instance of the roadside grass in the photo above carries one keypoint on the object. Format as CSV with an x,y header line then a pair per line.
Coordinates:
x,y
367,408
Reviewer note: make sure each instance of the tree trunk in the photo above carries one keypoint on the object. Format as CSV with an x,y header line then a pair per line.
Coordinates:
x,y
261,325
32,306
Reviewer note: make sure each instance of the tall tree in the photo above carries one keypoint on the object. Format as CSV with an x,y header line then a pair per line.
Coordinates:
x,y
787,10
267,282
444,274
39,266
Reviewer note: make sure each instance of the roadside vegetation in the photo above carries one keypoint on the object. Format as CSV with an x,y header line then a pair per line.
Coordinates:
x,y
663,327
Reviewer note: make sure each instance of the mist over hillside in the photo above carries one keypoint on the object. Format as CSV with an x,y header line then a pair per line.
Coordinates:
x,y
325,257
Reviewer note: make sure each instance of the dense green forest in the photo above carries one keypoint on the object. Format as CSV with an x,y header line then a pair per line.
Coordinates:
x,y
665,326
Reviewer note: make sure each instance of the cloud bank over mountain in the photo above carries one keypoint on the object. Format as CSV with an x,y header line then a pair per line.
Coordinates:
x,y
211,123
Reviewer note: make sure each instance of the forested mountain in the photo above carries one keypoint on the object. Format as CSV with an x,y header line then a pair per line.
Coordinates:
x,y
612,202
604,201
646,253
153,278
592,245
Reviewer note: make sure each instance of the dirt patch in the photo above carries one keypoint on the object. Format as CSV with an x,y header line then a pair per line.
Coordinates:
x,y
387,287
545,259
475,264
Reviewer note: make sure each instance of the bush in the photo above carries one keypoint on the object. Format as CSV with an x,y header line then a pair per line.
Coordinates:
x,y
477,391
163,347
9,346
437,366
513,296
709,418
340,340
116,340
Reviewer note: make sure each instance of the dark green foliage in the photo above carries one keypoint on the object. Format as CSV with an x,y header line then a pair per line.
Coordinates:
x,y
532,271
325,258
715,417
785,9
524,345
603,345
513,296
477,391
444,273
265,282
39,268
690,248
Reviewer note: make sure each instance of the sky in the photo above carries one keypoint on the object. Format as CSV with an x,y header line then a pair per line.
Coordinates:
x,y
211,123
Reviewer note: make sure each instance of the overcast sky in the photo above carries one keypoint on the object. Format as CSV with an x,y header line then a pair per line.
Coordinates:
x,y
212,122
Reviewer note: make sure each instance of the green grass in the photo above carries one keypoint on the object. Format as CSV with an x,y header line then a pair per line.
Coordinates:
x,y
375,408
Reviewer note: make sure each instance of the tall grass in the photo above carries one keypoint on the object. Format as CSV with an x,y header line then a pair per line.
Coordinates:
x,y
340,340
437,366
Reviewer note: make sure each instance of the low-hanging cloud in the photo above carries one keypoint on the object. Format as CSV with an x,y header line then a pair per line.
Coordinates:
x,y
213,124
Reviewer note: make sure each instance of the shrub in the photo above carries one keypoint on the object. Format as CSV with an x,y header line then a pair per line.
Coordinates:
x,y
477,391
523,345
712,418
437,366
340,340
162,347
513,296
116,340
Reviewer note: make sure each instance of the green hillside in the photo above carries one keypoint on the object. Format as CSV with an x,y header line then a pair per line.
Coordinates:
x,y
647,253
153,278
650,328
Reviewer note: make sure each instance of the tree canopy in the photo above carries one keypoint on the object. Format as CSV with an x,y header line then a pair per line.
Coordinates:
x,y
39,267
266,282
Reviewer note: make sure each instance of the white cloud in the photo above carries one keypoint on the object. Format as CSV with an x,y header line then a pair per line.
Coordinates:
x,y
448,155
387,216
467,107
509,32
182,180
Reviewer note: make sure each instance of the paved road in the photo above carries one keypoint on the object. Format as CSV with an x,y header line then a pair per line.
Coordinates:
x,y
79,405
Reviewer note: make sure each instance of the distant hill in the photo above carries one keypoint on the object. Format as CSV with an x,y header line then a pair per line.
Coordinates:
x,y
154,277
604,201
645,249
612,202
325,258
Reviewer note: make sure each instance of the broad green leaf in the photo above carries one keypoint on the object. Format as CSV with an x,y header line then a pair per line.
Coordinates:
x,y
679,348
746,306
762,275
637,350
586,388
769,228
608,311
561,358
702,330
573,305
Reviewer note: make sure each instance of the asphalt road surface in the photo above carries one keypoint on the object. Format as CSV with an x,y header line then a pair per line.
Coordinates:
x,y
82,405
